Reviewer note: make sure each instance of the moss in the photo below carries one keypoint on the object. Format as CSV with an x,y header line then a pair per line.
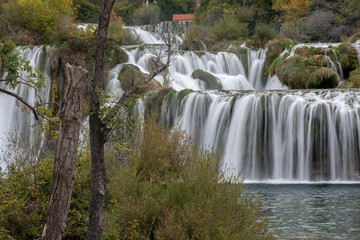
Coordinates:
x,y
211,82
294,72
130,75
323,78
275,48
354,79
182,94
242,54
347,57
169,95
153,101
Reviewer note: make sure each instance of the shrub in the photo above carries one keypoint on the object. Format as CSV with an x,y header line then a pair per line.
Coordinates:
x,y
146,15
87,11
194,38
38,16
25,190
264,33
228,28
125,10
168,190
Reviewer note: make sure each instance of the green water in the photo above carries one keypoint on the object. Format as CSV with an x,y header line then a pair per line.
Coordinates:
x,y
312,211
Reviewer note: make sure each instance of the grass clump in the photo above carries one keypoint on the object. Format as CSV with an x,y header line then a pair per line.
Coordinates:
x,y
323,78
166,189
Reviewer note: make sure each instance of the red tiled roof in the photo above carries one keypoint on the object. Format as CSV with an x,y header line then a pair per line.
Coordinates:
x,y
182,17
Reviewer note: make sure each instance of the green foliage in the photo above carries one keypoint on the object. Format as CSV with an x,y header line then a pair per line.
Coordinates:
x,y
87,11
125,10
275,48
228,28
166,189
38,16
264,33
13,64
25,191
146,15
194,38
211,82
323,78
171,7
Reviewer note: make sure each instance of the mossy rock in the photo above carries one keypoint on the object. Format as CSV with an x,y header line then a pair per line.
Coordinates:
x,y
275,48
130,75
323,78
354,79
211,82
294,73
153,101
347,56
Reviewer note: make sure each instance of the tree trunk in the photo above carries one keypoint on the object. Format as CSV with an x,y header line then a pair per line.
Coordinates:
x,y
97,130
66,152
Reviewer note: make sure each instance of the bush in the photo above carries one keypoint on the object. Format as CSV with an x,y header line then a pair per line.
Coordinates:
x,y
38,16
146,15
25,191
87,11
168,190
228,28
194,38
125,10
263,33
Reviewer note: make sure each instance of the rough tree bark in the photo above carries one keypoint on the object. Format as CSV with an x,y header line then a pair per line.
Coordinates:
x,y
66,152
97,134
99,128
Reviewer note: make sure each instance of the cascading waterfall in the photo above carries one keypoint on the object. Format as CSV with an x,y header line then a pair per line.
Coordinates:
x,y
262,135
226,67
12,117
285,136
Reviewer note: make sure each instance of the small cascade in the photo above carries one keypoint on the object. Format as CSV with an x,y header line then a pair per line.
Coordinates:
x,y
283,136
224,66
356,45
12,117
151,34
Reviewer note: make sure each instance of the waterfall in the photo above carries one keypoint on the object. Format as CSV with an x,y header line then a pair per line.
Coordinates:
x,y
224,66
284,136
12,117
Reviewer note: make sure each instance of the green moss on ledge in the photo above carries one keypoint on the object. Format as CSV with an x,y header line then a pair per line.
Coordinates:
x,y
354,79
211,82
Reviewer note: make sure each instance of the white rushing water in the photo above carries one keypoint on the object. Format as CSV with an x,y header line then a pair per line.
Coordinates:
x,y
12,116
275,136
278,136
271,136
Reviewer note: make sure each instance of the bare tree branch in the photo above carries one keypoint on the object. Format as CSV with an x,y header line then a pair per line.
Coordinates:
x,y
36,114
166,37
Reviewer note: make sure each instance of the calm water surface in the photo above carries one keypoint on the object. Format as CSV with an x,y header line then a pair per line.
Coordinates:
x,y
312,211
